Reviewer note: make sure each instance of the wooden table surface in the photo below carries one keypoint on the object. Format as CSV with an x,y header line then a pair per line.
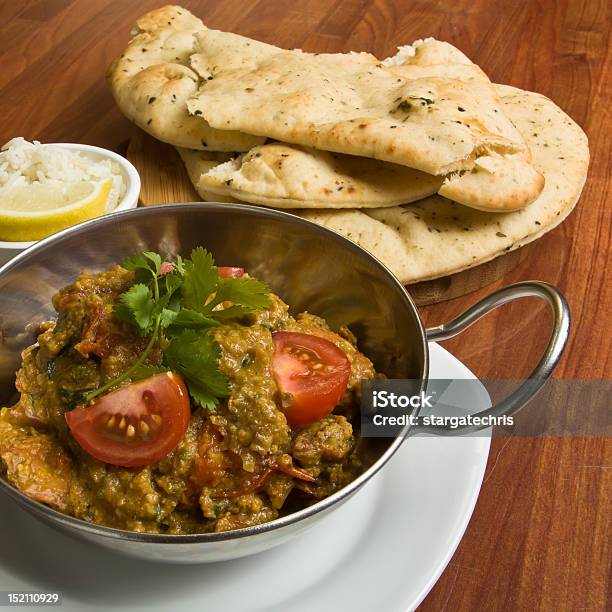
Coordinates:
x,y
540,535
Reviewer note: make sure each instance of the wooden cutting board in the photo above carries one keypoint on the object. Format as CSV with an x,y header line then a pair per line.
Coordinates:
x,y
165,181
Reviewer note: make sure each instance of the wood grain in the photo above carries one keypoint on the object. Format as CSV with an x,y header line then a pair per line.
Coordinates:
x,y
540,535
162,172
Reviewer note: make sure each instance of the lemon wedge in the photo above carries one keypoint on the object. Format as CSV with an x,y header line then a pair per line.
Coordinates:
x,y
34,211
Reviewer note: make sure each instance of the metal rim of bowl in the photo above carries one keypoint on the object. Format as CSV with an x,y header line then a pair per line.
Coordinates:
x,y
111,532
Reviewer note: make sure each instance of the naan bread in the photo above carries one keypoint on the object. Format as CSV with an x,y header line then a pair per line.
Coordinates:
x,y
151,82
407,111
436,236
198,163
290,176
496,182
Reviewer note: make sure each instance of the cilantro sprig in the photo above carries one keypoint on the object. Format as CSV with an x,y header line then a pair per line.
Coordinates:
x,y
176,304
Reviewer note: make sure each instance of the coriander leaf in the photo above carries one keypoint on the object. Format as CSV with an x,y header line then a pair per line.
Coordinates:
x,y
244,291
136,306
195,356
203,397
190,319
167,317
179,265
155,259
169,296
173,282
246,294
174,303
233,312
136,262
143,268
199,279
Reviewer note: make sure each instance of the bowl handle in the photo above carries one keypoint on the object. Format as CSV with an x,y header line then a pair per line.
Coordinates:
x,y
548,361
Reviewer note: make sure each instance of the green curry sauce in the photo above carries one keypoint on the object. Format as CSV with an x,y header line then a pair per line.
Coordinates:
x,y
233,467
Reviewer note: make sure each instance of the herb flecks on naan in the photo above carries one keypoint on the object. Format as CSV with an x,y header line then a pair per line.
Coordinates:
x,y
497,181
290,176
437,237
412,115
152,80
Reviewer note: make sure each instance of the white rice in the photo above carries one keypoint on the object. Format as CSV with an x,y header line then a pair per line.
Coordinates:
x,y
25,163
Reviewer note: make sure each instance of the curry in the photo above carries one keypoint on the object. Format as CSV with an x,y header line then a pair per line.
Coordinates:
x,y
177,397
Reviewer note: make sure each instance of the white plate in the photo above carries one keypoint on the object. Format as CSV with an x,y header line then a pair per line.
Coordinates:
x,y
382,550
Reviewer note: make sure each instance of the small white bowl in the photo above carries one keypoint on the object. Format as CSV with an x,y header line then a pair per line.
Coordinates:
x,y
8,250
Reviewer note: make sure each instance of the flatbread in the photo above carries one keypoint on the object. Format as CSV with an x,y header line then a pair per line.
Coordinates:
x,y
496,182
406,110
198,163
151,82
436,236
290,176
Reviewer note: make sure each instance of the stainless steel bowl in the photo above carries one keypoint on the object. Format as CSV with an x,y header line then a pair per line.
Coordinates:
x,y
310,267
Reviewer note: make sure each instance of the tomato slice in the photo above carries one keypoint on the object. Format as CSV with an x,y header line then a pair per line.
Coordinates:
x,y
312,374
137,424
227,272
